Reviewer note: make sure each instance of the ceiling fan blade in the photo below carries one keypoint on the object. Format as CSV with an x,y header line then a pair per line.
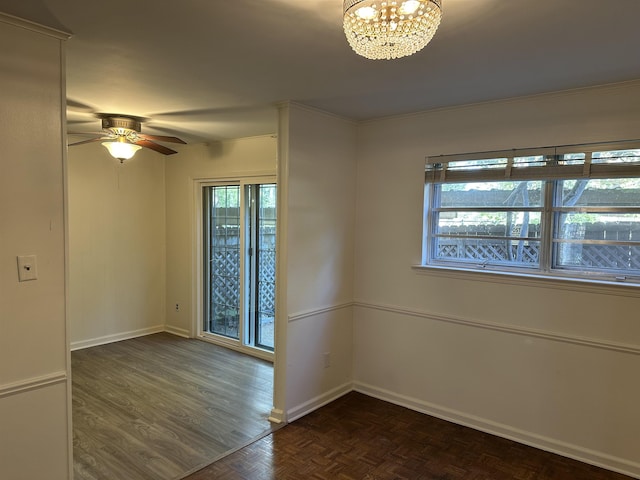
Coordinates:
x,y
79,122
154,146
86,133
87,141
161,138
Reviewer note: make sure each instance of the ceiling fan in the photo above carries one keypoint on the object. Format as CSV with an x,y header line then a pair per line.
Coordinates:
x,y
121,136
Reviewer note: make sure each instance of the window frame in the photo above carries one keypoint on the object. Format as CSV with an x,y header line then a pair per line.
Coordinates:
x,y
440,170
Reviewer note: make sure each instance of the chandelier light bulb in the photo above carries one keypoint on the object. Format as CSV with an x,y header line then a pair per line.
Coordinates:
x,y
409,7
366,13
389,29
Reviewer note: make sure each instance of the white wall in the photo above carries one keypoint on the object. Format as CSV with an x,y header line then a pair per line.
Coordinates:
x,y
116,245
130,224
550,364
319,229
33,345
227,160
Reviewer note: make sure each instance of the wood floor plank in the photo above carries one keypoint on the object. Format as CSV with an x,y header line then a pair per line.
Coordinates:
x,y
360,438
159,406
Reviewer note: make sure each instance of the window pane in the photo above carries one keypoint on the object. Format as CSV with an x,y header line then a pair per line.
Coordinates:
x,y
616,156
477,164
615,192
612,258
614,227
224,261
266,277
491,194
533,161
510,252
493,224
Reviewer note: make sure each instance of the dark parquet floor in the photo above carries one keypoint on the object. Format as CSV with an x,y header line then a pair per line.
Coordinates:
x,y
361,438
160,406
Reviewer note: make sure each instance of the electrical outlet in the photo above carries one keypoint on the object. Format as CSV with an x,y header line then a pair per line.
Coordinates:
x,y
27,268
327,359
177,307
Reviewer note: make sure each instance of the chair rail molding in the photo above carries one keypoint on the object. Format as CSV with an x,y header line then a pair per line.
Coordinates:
x,y
33,383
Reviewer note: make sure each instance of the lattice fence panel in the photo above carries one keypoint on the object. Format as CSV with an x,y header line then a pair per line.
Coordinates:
x,y
498,252
609,257
267,281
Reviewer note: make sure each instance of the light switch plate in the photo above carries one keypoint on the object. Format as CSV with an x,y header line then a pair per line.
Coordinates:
x,y
27,268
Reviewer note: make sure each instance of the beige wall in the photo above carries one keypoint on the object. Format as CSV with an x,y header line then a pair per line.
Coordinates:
x,y
229,160
318,276
550,364
545,363
116,245
132,223
33,345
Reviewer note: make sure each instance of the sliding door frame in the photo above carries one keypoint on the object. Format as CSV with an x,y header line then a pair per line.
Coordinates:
x,y
199,294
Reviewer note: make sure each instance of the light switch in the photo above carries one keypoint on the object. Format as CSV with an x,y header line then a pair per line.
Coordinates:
x,y
27,268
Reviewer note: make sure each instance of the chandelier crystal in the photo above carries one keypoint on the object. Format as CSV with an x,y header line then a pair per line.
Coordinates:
x,y
378,29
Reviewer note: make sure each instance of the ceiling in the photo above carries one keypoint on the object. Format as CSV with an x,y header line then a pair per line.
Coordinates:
x,y
209,70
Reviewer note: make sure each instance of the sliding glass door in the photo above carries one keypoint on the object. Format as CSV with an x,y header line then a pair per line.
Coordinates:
x,y
239,227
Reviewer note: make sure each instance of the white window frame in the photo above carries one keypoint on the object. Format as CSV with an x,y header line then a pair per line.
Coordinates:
x,y
500,166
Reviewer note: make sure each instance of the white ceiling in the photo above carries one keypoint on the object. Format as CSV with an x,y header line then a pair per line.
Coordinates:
x,y
214,69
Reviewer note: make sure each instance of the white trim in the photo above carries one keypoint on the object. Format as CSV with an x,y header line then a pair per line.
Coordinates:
x,y
319,311
116,337
234,177
281,325
514,330
277,416
599,287
197,271
318,402
565,449
179,332
65,209
34,27
34,383
308,108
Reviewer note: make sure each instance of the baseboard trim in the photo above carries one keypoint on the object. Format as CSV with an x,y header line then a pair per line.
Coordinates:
x,y
180,332
319,401
34,383
511,329
94,342
575,452
277,416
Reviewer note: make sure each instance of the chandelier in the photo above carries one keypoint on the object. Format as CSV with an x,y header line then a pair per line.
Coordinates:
x,y
386,29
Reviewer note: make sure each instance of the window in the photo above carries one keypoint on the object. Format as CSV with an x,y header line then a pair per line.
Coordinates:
x,y
569,211
239,260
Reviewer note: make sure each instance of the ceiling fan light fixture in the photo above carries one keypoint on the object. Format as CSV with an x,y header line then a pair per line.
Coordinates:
x,y
387,29
121,149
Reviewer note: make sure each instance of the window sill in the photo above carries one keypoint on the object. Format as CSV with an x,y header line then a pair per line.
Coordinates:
x,y
603,287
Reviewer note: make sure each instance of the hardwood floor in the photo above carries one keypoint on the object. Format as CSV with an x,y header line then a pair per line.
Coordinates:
x,y
160,406
361,438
